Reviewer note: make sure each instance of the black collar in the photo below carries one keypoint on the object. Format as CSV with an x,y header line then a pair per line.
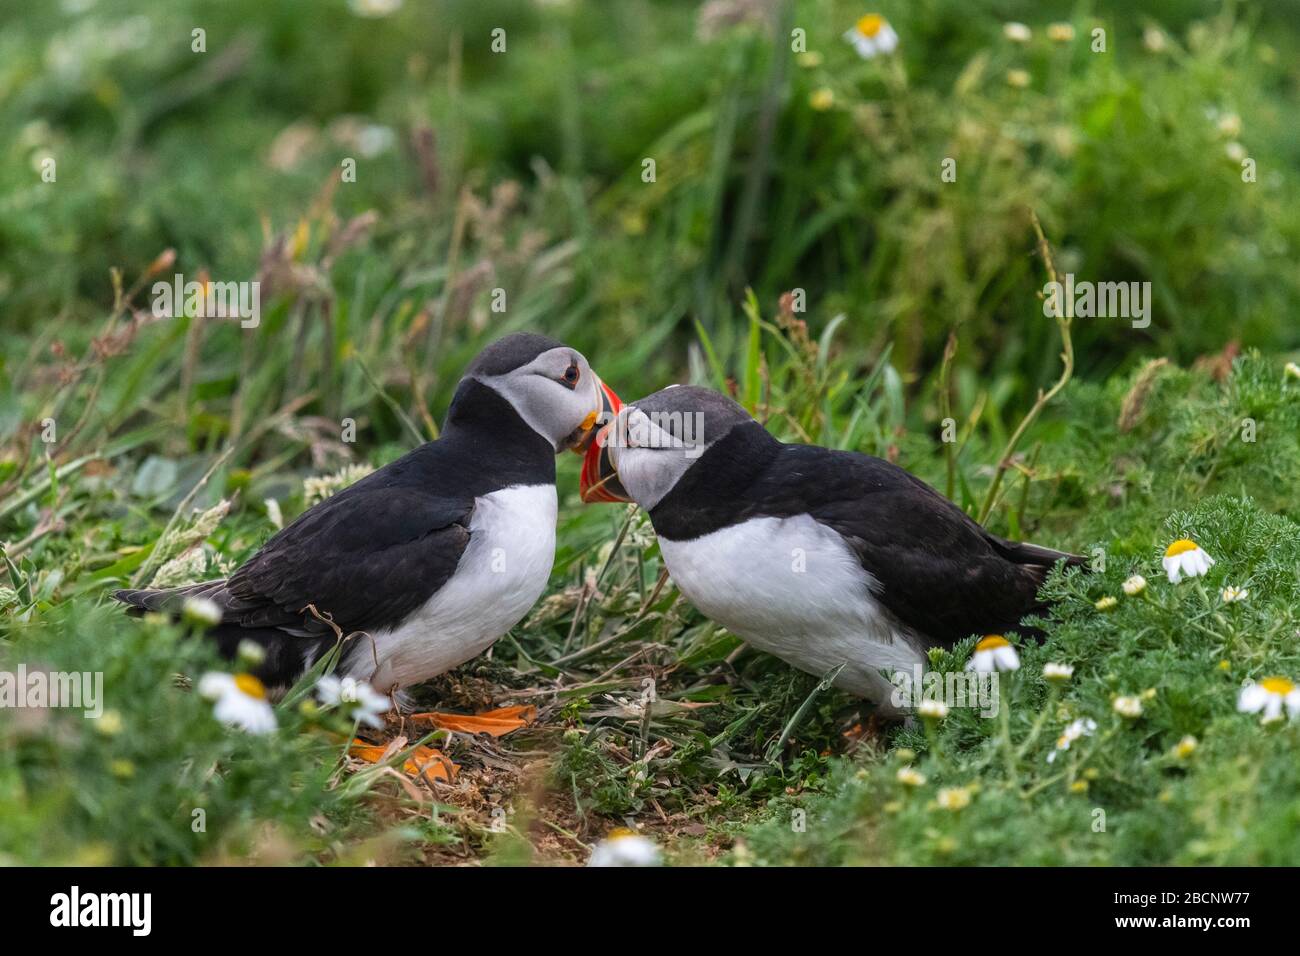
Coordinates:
x,y
717,490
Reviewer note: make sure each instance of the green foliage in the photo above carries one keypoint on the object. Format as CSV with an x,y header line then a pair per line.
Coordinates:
x,y
155,779
524,172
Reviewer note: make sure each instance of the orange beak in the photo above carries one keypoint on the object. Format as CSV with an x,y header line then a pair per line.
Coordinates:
x,y
584,435
599,479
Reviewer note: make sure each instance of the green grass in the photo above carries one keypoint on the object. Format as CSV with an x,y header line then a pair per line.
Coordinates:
x,y
231,158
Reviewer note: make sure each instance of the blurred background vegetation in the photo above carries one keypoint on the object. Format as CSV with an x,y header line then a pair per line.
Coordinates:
x,y
522,171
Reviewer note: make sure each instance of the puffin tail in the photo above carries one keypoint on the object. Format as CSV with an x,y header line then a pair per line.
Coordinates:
x,y
166,600
1020,552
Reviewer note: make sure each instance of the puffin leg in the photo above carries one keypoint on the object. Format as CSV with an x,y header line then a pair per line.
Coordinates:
x,y
427,763
496,723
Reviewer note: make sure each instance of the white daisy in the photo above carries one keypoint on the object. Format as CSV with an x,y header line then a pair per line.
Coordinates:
x,y
623,847
1128,707
1270,695
1017,32
241,701
1231,594
1084,727
993,653
1057,673
250,653
872,36
374,8
1135,585
910,778
954,798
1185,557
1229,124
934,709
369,703
202,611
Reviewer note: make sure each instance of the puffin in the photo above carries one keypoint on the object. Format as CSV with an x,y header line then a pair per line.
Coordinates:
x,y
432,557
826,559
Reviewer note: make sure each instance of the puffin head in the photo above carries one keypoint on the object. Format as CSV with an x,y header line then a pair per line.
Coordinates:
x,y
551,387
654,441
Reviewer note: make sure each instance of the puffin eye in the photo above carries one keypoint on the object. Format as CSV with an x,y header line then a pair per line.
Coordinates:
x,y
571,376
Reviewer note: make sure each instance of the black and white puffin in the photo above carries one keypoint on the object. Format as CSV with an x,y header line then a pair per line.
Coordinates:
x,y
819,557
435,555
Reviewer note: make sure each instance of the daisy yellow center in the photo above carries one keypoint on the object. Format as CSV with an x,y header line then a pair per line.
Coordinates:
x,y
250,686
991,642
1181,546
1277,685
871,24
620,833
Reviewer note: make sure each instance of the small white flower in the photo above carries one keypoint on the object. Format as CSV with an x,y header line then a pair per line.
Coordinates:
x,y
1058,673
369,703
1234,151
1291,370
910,778
1270,695
240,701
1229,125
822,99
1019,79
624,848
1185,557
1135,585
374,139
1084,727
1128,707
250,653
273,513
318,488
1017,32
374,8
1186,747
872,36
993,653
1153,39
1231,594
1060,32
954,798
1106,603
201,611
934,709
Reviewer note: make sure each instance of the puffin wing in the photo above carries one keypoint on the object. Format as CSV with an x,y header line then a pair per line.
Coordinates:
x,y
368,559
934,568
367,556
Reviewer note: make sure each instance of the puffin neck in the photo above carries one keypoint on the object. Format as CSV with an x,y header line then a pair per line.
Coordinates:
x,y
708,496
481,419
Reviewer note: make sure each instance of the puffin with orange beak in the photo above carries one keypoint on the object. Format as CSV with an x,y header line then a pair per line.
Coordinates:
x,y
826,559
433,556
